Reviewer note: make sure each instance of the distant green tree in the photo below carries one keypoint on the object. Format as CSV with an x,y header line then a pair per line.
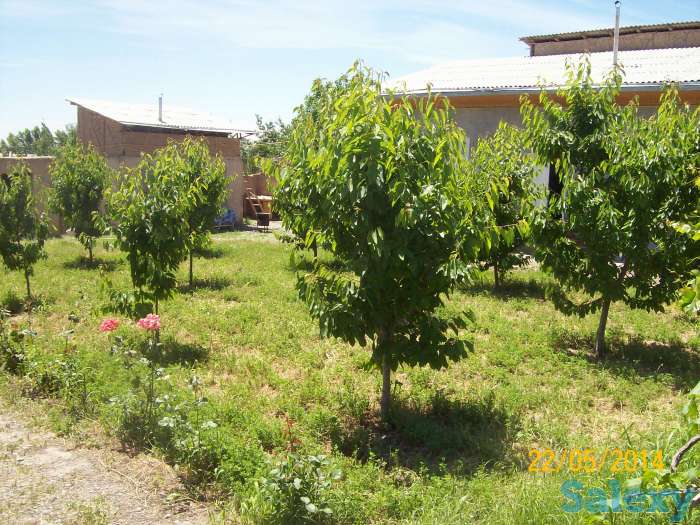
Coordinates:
x,y
626,181
65,137
37,141
79,176
390,191
148,212
503,161
23,230
204,178
270,141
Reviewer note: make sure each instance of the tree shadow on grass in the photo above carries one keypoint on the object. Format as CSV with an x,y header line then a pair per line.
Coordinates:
x,y
208,283
445,434
510,289
13,303
84,263
635,356
209,252
307,264
173,352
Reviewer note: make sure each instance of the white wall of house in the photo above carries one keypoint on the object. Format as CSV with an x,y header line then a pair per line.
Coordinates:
x,y
482,122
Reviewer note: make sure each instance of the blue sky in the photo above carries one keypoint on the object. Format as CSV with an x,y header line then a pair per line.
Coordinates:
x,y
236,58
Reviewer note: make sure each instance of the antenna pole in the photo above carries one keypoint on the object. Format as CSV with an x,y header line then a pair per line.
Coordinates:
x,y
616,37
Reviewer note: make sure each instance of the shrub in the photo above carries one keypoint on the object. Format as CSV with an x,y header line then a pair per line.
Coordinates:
x,y
23,230
295,487
140,412
12,352
681,478
149,211
79,176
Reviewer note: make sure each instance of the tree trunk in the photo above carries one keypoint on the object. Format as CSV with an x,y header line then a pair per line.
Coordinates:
x,y
600,336
90,251
26,279
496,277
191,280
386,389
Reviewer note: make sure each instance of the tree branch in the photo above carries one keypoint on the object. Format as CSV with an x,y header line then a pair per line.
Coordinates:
x,y
682,452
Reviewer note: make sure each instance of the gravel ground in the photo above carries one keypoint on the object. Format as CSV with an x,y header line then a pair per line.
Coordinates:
x,y
45,479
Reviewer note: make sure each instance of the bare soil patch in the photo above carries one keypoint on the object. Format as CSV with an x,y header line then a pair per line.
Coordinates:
x,y
45,479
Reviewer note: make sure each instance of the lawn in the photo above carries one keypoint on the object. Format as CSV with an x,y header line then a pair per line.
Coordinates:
x,y
458,448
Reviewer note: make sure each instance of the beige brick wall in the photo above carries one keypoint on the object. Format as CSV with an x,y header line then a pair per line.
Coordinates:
x,y
123,147
628,42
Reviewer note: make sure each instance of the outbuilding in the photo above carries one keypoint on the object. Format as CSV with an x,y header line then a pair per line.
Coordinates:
x,y
122,132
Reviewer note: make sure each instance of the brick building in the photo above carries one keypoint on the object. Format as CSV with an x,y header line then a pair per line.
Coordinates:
x,y
122,132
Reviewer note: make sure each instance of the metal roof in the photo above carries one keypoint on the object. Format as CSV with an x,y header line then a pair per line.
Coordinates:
x,y
146,116
646,69
598,33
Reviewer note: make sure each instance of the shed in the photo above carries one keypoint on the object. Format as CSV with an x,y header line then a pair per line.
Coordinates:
x,y
122,132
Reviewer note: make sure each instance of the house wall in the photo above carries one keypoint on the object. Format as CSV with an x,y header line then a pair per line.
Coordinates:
x,y
663,39
41,182
480,122
123,147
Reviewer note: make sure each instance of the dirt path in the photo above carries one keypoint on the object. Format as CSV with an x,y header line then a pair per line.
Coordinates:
x,y
48,480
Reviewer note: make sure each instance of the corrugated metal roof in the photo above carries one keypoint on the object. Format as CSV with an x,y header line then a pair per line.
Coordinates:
x,y
650,68
596,33
146,115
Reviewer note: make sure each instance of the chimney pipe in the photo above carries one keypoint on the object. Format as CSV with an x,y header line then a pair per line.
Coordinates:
x,y
160,108
616,37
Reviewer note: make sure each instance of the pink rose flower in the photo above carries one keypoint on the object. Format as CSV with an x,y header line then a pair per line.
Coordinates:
x,y
151,322
109,325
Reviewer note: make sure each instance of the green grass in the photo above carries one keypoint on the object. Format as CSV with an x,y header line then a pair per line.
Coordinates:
x,y
458,449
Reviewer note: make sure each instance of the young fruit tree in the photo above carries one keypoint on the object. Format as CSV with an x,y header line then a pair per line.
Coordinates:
x,y
626,180
149,213
503,161
295,196
79,176
23,229
204,178
690,293
394,206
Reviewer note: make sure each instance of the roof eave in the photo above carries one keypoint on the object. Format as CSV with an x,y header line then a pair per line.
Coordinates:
x,y
184,129
683,86
227,132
